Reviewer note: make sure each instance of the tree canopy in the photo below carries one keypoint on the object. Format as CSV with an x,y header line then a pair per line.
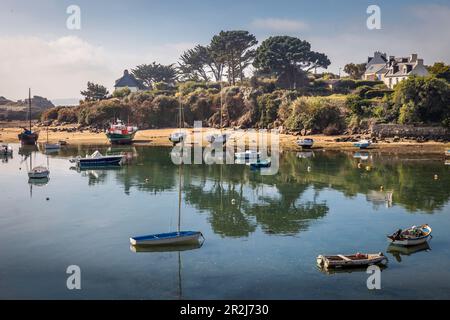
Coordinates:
x,y
94,92
440,70
152,73
288,57
355,71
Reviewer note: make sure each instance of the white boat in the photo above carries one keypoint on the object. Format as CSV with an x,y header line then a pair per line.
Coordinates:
x,y
306,143
362,144
177,137
6,150
412,236
39,172
248,154
353,260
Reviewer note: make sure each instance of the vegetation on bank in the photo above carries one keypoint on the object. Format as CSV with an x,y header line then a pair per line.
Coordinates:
x,y
283,91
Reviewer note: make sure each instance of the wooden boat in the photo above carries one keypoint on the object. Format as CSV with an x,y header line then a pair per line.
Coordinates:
x,y
354,260
362,144
119,133
27,136
306,143
170,238
265,163
98,160
6,150
39,172
412,236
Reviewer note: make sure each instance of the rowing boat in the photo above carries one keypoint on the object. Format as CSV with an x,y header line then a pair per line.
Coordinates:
x,y
412,236
171,238
354,260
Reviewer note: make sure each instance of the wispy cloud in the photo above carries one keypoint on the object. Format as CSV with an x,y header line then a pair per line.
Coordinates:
x,y
279,25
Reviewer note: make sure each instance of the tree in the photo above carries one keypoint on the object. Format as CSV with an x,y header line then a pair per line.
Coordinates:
x,y
440,70
422,99
355,71
194,63
94,92
288,57
233,49
155,72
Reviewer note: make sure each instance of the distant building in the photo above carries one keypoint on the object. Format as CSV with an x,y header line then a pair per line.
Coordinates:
x,y
393,70
128,81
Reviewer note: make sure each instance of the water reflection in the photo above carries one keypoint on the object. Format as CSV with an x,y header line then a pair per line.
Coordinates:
x,y
398,251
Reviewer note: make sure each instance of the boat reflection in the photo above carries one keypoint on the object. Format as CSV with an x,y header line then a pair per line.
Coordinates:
x,y
331,271
166,248
398,251
305,154
361,155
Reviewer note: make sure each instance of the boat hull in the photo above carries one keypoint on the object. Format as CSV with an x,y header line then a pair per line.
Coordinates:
x,y
116,138
113,161
28,139
52,146
165,239
38,175
426,229
339,261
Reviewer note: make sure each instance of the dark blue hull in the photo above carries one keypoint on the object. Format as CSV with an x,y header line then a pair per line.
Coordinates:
x,y
99,162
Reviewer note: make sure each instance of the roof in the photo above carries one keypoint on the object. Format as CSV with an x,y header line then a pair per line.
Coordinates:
x,y
128,80
376,68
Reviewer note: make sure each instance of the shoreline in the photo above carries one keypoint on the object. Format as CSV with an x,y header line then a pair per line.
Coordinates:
x,y
159,137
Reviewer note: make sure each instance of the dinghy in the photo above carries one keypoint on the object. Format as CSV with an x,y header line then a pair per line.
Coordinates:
x,y
412,236
171,238
362,144
305,143
354,260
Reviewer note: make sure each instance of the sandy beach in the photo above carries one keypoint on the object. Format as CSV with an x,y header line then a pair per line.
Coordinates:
x,y
159,137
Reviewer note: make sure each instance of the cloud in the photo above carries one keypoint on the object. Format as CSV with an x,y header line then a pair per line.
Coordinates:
x,y
60,68
279,25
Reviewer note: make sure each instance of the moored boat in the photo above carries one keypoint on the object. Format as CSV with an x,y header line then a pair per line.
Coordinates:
x,y
362,144
119,133
39,172
177,137
6,150
412,236
170,238
98,160
353,260
27,136
306,143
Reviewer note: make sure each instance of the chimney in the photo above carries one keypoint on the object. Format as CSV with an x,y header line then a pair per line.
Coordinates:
x,y
413,57
125,72
419,62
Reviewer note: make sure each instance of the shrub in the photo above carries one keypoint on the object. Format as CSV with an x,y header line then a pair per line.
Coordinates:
x,y
67,115
121,93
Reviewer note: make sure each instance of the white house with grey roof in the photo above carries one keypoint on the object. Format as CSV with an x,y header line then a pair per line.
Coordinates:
x,y
128,81
393,70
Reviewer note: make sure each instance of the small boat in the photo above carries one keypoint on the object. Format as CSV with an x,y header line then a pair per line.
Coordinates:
x,y
264,163
171,238
177,137
62,142
306,143
362,144
27,136
6,150
98,160
39,172
119,133
217,138
411,236
354,260
248,154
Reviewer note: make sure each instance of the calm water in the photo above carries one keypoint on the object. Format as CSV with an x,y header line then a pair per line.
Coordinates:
x,y
263,233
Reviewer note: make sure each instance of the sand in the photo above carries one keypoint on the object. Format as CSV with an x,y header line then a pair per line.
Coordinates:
x,y
159,137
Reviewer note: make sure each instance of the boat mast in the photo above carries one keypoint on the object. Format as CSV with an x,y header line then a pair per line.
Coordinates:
x,y
221,104
29,106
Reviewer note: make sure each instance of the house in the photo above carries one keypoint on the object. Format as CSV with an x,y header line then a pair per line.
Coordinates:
x,y
401,68
128,81
376,67
393,70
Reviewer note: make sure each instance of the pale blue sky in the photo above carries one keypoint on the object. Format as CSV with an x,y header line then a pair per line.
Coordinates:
x,y
57,62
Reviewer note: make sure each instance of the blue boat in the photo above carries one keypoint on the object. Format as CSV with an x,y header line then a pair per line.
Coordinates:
x,y
260,164
98,160
362,144
171,238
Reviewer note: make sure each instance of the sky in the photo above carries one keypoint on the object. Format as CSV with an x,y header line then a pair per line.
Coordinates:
x,y
37,49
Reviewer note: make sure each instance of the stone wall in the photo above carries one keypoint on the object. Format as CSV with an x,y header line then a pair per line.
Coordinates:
x,y
409,131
